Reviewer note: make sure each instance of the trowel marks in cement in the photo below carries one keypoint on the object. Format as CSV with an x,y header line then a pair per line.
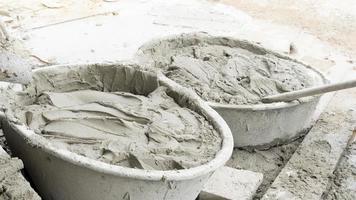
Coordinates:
x,y
224,70
139,131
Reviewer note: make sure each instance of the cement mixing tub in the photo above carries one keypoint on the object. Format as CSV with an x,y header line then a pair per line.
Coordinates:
x,y
258,126
62,175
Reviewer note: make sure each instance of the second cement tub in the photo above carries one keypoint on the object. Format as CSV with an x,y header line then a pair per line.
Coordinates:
x,y
62,175
253,126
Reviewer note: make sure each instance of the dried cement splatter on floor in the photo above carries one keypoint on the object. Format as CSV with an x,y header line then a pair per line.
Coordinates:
x,y
148,132
221,70
12,184
14,68
343,185
268,162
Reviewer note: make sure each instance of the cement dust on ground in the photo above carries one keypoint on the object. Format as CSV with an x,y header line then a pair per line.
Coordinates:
x,y
343,185
268,162
331,21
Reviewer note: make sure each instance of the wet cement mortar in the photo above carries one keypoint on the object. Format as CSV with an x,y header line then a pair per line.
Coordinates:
x,y
122,126
268,162
228,71
224,70
271,161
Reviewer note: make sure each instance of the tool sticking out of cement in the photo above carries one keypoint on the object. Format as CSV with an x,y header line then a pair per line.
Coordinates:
x,y
13,68
290,96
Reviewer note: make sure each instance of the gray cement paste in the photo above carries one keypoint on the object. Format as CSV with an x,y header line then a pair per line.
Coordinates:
x,y
148,131
226,71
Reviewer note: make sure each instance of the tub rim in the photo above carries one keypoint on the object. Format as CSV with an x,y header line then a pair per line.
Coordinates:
x,y
246,107
221,157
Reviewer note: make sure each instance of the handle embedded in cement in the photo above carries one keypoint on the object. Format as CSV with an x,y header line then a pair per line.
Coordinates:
x,y
290,96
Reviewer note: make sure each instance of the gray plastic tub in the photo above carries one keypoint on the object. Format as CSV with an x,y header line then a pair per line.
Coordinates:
x,y
62,175
257,126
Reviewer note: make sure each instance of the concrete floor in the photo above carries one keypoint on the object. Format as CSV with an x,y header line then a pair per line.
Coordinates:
x,y
343,185
97,30
331,21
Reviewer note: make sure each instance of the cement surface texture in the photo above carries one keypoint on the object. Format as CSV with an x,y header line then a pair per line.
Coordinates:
x,y
146,130
226,71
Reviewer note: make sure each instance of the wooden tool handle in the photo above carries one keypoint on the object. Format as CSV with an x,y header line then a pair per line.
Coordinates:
x,y
290,96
